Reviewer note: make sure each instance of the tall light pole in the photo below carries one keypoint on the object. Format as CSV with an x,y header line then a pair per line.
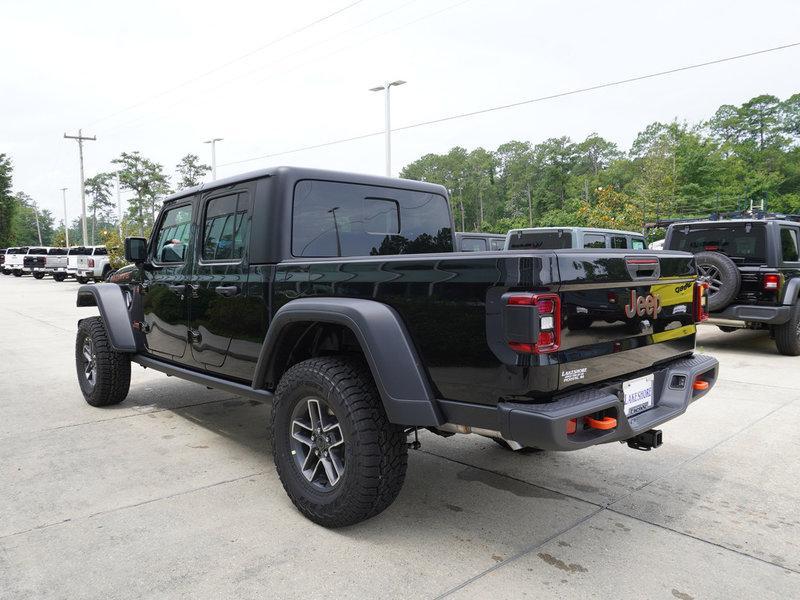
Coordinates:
x,y
119,206
80,139
66,227
386,88
213,142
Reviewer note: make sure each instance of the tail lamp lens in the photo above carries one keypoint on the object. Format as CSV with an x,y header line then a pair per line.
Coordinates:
x,y
548,311
91,263
700,301
771,282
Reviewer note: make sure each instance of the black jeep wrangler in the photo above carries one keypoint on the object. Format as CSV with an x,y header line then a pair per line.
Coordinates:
x,y
753,269
339,299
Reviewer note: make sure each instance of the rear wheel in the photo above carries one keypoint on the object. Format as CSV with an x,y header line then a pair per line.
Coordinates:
x,y
338,457
59,277
82,280
17,273
38,275
103,374
6,272
787,336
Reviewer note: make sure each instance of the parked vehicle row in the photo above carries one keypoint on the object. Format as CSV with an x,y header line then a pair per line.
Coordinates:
x,y
84,263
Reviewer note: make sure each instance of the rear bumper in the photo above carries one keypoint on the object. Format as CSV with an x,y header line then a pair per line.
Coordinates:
x,y
772,315
544,425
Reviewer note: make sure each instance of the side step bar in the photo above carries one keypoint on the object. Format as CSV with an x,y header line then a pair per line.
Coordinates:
x,y
217,383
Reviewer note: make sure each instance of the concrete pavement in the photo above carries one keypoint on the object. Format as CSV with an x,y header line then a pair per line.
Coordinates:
x,y
172,494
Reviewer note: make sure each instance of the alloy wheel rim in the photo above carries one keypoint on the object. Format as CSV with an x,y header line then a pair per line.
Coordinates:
x,y
89,362
317,444
712,275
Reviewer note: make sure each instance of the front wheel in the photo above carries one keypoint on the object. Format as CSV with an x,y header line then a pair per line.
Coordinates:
x,y
338,457
787,336
103,374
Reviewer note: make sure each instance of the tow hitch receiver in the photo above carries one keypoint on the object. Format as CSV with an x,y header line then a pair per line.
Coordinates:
x,y
646,441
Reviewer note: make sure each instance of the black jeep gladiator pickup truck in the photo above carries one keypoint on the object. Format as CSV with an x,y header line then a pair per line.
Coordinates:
x,y
752,266
339,298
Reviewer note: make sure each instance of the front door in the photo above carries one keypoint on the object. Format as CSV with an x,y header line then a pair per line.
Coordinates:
x,y
218,311
164,289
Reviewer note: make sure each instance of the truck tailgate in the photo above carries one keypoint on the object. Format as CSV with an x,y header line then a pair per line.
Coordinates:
x,y
623,312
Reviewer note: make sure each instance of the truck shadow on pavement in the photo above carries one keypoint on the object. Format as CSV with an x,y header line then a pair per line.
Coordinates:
x,y
745,341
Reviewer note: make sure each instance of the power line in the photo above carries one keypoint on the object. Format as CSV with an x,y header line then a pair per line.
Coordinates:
x,y
230,62
529,101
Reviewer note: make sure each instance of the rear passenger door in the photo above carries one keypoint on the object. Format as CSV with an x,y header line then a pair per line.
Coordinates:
x,y
217,311
164,289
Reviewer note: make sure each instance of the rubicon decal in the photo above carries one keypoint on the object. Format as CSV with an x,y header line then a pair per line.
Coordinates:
x,y
642,305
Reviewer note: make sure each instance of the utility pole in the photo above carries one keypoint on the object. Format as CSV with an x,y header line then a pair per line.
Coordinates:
x,y
213,142
387,109
36,214
119,207
66,227
81,138
530,206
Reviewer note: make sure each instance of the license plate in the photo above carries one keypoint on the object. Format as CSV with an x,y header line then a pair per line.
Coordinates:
x,y
638,395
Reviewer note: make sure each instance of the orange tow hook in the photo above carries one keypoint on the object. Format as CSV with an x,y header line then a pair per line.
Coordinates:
x,y
604,423
699,384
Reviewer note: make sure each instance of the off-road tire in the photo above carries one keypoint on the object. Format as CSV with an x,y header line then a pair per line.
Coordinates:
x,y
38,275
59,277
787,336
375,451
112,378
726,278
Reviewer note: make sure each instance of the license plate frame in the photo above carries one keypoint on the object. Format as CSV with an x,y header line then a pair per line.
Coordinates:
x,y
638,395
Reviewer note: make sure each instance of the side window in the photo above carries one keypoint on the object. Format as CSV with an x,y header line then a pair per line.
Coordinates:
x,y
473,245
789,244
173,235
498,244
637,244
594,240
225,228
618,242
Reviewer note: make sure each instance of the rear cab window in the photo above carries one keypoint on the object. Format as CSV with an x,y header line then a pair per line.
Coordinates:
x,y
79,251
744,243
497,244
348,219
473,245
594,240
57,251
540,240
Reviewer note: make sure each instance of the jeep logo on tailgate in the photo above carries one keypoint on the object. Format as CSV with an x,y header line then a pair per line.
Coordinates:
x,y
643,305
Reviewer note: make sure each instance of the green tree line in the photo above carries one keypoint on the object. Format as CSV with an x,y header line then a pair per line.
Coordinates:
x,y
744,153
23,223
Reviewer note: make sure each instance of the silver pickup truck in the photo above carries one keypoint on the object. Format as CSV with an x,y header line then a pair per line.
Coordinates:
x,y
89,263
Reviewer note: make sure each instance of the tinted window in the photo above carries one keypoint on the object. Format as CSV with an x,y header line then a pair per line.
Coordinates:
x,y
38,251
473,245
100,251
540,240
637,243
78,251
497,244
224,229
592,240
789,244
173,236
618,242
57,251
347,219
743,243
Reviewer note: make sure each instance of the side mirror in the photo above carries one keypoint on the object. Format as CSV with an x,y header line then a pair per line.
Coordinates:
x,y
136,250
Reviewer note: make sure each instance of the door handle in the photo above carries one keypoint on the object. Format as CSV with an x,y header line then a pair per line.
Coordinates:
x,y
227,291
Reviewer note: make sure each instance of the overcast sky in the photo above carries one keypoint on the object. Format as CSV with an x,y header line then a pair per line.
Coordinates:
x,y
160,77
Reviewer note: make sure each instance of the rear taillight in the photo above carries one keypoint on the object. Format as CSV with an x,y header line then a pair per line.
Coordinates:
x,y
700,301
771,282
546,323
90,262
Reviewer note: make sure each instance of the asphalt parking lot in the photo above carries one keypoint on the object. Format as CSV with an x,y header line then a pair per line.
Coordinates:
x,y
172,494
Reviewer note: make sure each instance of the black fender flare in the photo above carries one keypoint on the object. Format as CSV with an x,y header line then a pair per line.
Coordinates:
x,y
392,358
792,292
110,300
